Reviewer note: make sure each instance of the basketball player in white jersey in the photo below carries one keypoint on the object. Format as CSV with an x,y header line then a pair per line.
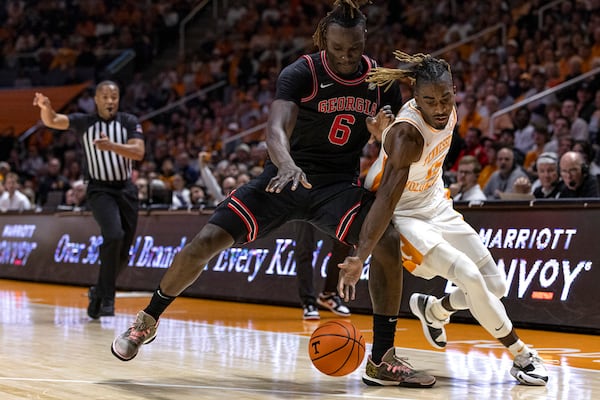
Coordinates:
x,y
436,241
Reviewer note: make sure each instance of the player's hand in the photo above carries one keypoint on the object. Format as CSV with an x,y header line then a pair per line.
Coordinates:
x,y
285,174
41,101
377,124
103,142
350,271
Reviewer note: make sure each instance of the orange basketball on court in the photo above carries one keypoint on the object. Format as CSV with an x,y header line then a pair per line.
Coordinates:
x,y
336,348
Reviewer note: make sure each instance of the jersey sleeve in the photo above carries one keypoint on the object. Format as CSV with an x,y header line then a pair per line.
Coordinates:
x,y
134,127
78,122
295,82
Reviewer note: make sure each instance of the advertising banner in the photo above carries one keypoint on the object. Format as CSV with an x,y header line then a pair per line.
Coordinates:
x,y
548,256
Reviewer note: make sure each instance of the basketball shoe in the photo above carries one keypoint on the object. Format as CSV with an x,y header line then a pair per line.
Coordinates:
x,y
333,303
143,331
311,312
529,369
433,328
395,371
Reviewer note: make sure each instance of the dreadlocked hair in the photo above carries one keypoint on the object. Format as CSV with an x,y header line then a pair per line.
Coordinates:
x,y
345,13
417,67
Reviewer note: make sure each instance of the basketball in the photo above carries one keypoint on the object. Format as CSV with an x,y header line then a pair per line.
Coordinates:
x,y
336,348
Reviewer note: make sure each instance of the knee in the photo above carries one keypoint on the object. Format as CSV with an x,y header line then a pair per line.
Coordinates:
x,y
497,285
207,243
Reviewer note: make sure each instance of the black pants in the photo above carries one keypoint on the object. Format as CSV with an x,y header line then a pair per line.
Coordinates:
x,y
115,209
305,246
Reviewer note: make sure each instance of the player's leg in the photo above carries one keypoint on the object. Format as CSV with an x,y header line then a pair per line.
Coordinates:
x,y
484,305
186,267
329,297
303,253
105,209
340,217
384,367
239,218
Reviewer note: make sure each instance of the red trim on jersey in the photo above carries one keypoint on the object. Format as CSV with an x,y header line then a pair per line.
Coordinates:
x,y
313,71
346,222
336,78
246,216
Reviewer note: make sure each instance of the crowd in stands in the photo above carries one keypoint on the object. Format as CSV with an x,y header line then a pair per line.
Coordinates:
x,y
194,157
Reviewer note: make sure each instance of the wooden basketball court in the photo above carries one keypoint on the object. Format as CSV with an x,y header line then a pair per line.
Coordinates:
x,y
225,350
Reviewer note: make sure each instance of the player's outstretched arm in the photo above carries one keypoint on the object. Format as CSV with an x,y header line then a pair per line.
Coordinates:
x,y
49,117
282,119
404,145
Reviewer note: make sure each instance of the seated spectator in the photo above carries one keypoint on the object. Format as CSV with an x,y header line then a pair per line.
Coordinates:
x,y
561,127
472,147
469,117
52,182
578,182
180,194
197,196
548,184
79,195
540,138
493,127
466,187
491,150
142,186
579,127
12,198
507,139
502,181
524,131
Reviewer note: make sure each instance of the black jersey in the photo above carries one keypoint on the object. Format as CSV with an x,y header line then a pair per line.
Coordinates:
x,y
106,166
330,130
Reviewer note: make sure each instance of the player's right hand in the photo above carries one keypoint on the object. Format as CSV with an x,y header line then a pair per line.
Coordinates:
x,y
350,271
285,174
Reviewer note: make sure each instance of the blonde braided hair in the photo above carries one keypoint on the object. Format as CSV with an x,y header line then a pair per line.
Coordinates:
x,y
413,67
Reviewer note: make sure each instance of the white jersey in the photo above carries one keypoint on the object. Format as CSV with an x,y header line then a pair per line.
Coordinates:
x,y
424,188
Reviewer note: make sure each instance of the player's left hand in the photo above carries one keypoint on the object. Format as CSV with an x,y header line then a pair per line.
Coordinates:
x,y
103,142
350,271
377,124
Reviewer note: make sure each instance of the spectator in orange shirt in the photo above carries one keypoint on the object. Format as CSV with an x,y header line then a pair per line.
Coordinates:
x,y
471,117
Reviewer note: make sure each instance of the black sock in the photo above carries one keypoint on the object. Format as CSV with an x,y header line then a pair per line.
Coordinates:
x,y
158,304
384,331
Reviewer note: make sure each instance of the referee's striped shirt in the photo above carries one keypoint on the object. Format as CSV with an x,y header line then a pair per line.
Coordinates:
x,y
106,166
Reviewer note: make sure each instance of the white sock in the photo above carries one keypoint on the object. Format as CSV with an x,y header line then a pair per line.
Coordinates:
x,y
438,311
518,348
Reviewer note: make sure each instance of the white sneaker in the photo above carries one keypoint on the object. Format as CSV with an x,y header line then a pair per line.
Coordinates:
x,y
529,369
333,303
311,312
432,328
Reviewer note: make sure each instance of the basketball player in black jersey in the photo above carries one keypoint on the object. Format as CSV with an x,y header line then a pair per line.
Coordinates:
x,y
316,131
111,141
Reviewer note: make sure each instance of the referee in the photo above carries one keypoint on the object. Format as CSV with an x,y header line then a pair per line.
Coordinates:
x,y
112,141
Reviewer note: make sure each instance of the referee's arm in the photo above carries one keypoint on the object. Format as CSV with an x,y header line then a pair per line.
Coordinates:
x,y
134,148
49,117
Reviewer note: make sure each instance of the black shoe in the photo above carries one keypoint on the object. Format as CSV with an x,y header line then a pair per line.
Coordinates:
x,y
107,308
94,305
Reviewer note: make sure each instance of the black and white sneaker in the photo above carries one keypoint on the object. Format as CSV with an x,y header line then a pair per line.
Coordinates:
x,y
529,369
333,303
311,312
432,328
